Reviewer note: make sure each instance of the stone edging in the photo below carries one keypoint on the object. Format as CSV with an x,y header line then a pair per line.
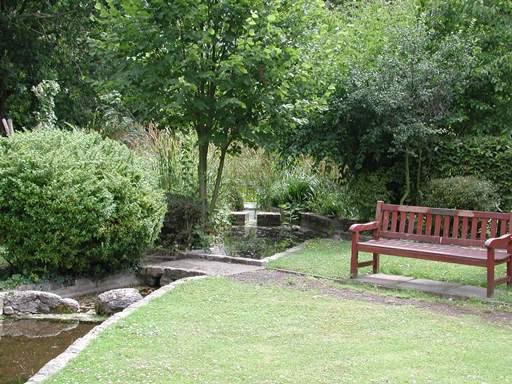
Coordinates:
x,y
59,362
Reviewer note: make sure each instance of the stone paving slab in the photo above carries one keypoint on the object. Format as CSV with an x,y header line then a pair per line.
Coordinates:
x,y
208,267
424,285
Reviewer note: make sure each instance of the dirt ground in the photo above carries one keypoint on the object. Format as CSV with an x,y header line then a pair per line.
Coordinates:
x,y
325,287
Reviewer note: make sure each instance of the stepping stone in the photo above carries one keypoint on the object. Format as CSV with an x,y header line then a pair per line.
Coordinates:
x,y
429,286
268,219
239,218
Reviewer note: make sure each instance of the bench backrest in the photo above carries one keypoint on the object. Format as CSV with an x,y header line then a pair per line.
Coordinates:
x,y
441,226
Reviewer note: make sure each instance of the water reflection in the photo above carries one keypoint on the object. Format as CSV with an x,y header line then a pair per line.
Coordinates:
x,y
27,345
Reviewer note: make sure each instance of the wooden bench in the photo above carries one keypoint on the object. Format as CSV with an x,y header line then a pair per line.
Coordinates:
x,y
476,238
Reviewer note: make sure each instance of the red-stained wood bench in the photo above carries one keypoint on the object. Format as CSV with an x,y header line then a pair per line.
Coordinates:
x,y
476,238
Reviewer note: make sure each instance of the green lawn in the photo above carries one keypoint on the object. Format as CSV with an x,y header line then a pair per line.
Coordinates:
x,y
331,258
219,331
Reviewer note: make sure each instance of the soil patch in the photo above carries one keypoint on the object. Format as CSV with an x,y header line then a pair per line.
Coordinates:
x,y
306,283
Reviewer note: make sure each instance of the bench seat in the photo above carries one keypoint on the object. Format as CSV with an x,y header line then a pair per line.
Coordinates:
x,y
441,252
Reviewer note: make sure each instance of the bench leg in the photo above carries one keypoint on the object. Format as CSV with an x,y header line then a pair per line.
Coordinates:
x,y
490,277
353,263
376,263
509,272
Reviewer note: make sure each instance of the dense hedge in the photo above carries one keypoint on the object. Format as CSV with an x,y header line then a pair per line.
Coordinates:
x,y
487,157
462,192
74,203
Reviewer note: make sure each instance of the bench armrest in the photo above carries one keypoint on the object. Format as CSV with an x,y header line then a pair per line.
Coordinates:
x,y
502,242
371,226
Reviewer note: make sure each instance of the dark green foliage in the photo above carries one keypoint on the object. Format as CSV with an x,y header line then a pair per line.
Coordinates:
x,y
47,40
181,228
74,203
462,192
486,157
365,190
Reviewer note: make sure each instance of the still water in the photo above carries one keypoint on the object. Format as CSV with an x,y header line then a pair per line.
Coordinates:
x,y
27,345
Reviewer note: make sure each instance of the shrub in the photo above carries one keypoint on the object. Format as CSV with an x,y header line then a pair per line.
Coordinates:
x,y
74,203
462,192
181,222
365,190
333,200
486,157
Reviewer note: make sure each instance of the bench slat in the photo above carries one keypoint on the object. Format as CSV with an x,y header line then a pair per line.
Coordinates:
x,y
394,218
474,224
446,226
464,232
410,226
455,228
402,222
483,229
385,221
419,224
428,225
437,228
494,225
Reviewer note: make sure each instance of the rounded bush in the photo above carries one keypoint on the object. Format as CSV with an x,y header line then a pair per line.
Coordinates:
x,y
75,203
462,192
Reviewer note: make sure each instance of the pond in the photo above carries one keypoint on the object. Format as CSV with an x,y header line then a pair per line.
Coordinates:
x,y
260,242
27,345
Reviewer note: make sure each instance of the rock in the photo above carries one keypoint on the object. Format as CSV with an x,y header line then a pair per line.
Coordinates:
x,y
151,275
25,302
268,219
239,218
8,311
2,294
116,300
72,304
173,274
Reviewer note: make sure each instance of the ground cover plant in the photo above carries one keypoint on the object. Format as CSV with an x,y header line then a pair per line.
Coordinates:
x,y
221,331
331,258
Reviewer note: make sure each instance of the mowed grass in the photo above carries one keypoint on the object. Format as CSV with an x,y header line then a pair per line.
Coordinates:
x,y
219,331
331,258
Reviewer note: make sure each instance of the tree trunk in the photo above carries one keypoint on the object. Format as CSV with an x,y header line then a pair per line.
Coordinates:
x,y
218,178
418,178
407,178
202,173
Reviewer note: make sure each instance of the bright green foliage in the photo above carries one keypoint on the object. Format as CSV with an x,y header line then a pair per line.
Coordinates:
x,y
223,332
224,69
301,185
74,203
462,192
487,102
485,157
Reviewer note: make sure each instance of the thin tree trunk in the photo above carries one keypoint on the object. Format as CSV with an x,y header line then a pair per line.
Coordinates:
x,y
218,178
418,177
407,178
203,182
